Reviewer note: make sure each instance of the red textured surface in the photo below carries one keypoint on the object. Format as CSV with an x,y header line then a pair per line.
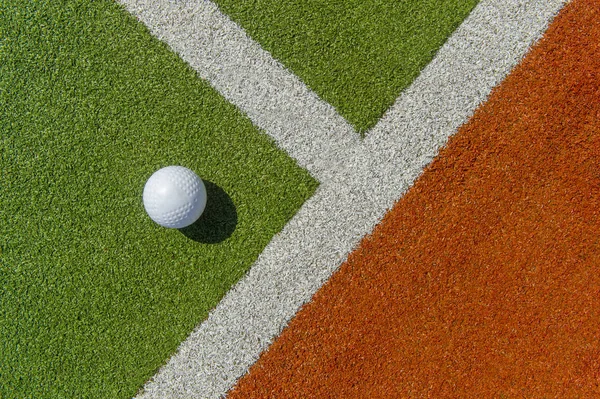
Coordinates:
x,y
484,280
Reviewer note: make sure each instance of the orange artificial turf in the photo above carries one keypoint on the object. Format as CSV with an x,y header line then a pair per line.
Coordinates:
x,y
484,280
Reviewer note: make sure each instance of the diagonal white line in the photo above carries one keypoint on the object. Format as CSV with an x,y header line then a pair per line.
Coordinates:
x,y
356,191
307,128
291,268
478,56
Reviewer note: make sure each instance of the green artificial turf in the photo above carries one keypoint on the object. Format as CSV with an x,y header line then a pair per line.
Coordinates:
x,y
94,296
358,55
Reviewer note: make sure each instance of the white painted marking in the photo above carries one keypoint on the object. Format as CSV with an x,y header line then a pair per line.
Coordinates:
x,y
307,128
359,181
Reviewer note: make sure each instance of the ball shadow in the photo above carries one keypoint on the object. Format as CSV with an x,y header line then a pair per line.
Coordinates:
x,y
217,222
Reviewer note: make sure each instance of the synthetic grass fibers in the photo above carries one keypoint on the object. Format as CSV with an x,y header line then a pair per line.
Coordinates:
x,y
275,100
358,55
91,105
483,281
94,296
350,201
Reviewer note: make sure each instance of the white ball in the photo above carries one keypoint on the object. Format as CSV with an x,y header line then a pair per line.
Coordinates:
x,y
174,197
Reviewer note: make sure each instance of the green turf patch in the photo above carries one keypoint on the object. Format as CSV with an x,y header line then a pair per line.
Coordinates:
x,y
94,296
358,55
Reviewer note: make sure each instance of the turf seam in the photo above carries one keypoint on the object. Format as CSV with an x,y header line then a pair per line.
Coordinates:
x,y
356,190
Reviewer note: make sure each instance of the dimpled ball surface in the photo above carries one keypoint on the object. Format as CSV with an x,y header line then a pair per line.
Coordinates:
x,y
174,197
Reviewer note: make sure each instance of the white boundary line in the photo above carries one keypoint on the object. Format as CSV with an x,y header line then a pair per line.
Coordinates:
x,y
360,181
307,128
